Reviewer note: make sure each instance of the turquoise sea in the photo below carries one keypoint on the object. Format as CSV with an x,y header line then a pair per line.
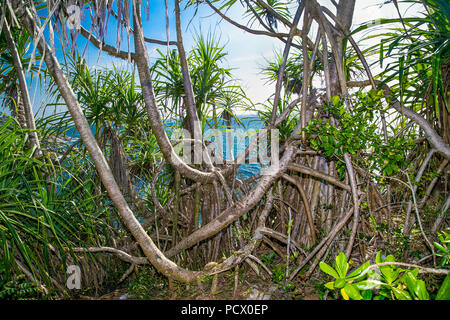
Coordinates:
x,y
244,123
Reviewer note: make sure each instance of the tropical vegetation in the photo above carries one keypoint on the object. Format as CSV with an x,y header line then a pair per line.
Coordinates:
x,y
96,198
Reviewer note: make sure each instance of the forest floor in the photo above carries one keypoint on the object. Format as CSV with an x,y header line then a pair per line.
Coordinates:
x,y
145,283
250,287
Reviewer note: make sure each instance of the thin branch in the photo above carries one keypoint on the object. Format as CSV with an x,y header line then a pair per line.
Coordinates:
x,y
281,71
122,255
111,50
240,26
18,68
408,265
305,202
317,174
187,82
413,191
320,249
353,185
127,273
415,186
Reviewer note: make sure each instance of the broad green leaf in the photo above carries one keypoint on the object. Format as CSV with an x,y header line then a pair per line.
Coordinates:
x,y
410,279
344,294
367,295
421,291
341,265
352,292
378,258
339,283
355,274
328,269
390,273
401,294
444,290
390,258
369,284
440,247
330,285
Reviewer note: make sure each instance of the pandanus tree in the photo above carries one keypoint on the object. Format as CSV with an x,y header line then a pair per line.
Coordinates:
x,y
322,177
293,73
210,79
112,104
414,52
15,59
9,81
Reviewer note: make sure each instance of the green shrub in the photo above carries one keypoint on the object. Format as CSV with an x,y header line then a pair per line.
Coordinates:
x,y
379,282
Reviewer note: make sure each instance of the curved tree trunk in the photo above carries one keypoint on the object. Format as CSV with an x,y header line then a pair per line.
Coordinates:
x,y
23,100
155,256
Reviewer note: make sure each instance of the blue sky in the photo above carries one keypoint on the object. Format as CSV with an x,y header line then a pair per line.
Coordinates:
x,y
247,53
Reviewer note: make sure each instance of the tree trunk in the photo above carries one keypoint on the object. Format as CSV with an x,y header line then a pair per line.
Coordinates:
x,y
155,256
24,100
